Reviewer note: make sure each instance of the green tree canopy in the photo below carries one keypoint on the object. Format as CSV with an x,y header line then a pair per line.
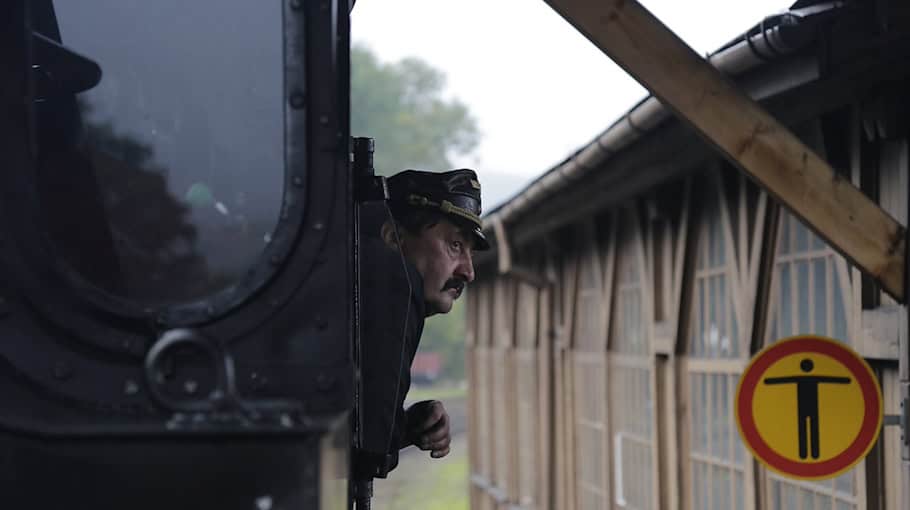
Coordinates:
x,y
401,105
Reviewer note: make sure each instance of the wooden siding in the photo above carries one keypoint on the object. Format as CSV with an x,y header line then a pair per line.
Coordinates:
x,y
612,385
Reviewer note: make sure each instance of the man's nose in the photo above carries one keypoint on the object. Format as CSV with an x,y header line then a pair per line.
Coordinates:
x,y
465,268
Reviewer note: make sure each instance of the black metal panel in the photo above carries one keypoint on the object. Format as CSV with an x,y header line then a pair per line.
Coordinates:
x,y
233,390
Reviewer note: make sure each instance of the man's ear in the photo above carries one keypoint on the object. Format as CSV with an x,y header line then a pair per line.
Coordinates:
x,y
389,235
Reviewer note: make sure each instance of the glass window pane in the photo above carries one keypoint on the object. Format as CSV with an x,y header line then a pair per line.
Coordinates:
x,y
820,294
802,237
176,154
721,492
702,299
725,347
713,336
840,310
790,497
739,497
803,290
723,418
783,243
706,416
776,497
721,246
844,483
714,416
822,502
695,411
697,496
808,501
785,310
843,505
817,242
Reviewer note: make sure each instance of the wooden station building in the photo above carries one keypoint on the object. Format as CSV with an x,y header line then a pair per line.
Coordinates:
x,y
630,285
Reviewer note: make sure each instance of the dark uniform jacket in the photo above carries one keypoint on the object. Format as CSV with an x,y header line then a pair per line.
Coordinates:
x,y
392,319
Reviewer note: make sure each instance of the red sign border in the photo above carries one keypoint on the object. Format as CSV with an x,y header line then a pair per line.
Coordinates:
x,y
872,417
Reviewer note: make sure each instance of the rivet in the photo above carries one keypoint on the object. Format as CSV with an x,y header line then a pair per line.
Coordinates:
x,y
318,225
259,381
130,387
296,4
190,386
324,119
286,421
297,180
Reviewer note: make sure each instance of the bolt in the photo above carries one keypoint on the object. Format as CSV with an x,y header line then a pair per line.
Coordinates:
x,y
130,387
286,421
324,120
190,386
296,4
259,381
318,225
297,180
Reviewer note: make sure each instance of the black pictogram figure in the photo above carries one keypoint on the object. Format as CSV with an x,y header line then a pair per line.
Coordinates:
x,y
807,403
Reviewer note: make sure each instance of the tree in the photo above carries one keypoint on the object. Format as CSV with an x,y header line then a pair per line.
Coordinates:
x,y
400,105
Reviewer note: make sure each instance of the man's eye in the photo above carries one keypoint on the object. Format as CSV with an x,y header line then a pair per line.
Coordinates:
x,y
456,245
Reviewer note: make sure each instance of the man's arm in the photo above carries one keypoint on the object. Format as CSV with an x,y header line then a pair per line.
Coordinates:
x,y
427,428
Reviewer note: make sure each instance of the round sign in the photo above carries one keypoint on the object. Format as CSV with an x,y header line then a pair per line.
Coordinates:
x,y
808,407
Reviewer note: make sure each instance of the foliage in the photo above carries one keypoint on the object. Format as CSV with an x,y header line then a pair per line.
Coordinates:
x,y
444,333
401,105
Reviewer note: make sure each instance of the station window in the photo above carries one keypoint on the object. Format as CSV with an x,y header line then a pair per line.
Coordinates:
x,y
527,391
631,389
810,294
589,368
718,463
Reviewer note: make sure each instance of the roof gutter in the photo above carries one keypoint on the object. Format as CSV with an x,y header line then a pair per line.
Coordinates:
x,y
773,38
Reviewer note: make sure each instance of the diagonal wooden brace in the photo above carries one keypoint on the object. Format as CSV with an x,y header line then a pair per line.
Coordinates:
x,y
747,135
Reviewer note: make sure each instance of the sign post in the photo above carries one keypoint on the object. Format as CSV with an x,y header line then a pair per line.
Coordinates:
x,y
809,407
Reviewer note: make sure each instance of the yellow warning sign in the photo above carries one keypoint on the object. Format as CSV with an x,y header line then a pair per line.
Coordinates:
x,y
809,407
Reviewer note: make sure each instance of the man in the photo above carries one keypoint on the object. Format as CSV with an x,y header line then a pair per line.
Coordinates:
x,y
416,260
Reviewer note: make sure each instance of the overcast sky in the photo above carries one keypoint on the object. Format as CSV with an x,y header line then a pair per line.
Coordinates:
x,y
538,89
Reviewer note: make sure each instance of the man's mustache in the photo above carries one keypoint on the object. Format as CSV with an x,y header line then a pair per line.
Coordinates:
x,y
454,283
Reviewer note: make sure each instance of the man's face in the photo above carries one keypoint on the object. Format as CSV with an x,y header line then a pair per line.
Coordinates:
x,y
443,256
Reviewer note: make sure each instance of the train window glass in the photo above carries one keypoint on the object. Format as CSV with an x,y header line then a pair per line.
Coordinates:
x,y
631,392
811,294
163,183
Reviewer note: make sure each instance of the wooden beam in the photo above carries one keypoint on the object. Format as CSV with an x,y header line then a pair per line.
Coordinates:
x,y
748,136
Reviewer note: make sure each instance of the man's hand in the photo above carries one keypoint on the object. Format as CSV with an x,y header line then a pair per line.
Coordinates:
x,y
427,427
